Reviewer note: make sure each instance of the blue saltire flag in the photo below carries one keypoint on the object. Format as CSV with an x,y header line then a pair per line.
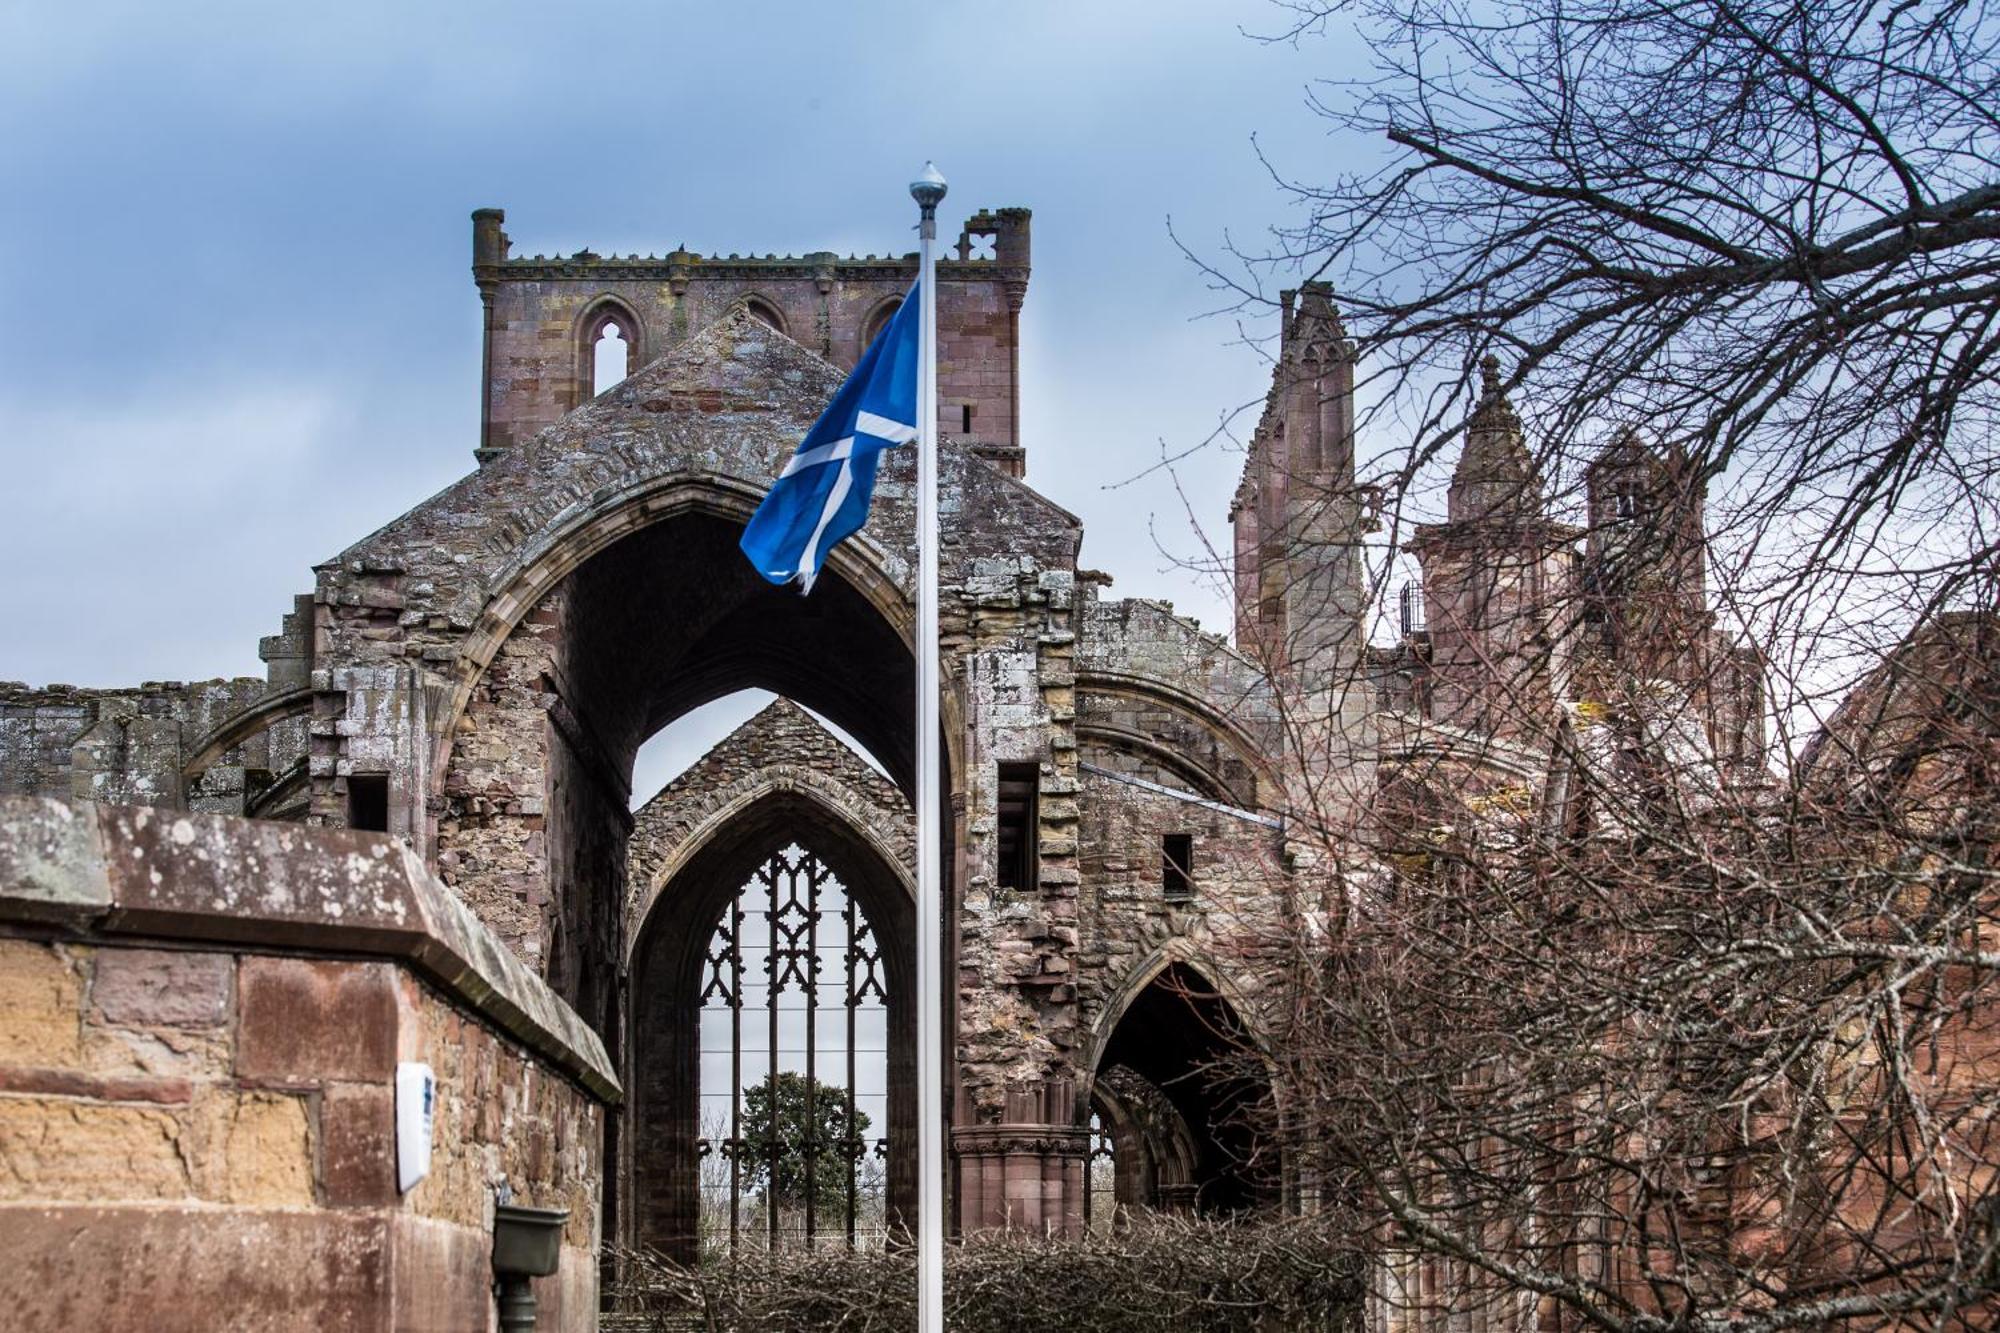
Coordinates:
x,y
822,495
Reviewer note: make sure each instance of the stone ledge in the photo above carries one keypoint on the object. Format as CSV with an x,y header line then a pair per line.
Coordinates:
x,y
145,874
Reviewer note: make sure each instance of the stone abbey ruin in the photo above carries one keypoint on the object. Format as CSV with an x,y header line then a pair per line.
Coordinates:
x,y
233,907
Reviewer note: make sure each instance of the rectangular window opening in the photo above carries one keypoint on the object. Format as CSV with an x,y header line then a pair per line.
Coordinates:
x,y
966,427
1177,866
1019,785
368,802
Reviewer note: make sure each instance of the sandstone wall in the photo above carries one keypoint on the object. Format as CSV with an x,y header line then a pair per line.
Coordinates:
x,y
200,1023
132,746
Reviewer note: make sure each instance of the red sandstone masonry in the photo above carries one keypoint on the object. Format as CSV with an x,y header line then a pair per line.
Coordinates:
x,y
158,988
306,1021
197,1132
357,1125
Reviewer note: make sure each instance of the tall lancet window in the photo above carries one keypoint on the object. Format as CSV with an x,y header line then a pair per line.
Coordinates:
x,y
794,1066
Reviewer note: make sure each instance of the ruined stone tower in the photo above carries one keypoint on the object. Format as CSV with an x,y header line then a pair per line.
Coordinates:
x,y
544,317
1498,583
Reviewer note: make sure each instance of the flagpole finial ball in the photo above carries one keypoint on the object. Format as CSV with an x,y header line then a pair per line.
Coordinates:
x,y
928,188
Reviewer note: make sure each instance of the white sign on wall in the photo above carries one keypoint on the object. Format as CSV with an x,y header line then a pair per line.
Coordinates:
x,y
416,1098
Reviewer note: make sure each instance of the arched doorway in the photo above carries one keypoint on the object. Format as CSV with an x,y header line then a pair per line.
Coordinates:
x,y
731,937
1173,1095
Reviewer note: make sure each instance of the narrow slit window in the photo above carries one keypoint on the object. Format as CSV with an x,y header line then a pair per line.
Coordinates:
x,y
1177,866
368,802
1629,500
1019,784
965,427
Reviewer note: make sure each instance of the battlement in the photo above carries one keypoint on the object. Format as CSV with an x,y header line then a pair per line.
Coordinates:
x,y
991,239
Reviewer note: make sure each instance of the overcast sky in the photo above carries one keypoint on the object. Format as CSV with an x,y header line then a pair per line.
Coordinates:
x,y
238,330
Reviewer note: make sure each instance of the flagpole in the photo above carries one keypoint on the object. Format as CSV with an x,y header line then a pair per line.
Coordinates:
x,y
928,190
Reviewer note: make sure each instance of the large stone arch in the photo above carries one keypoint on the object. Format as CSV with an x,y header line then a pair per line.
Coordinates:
x,y
582,532
645,621
467,595
1221,735
662,1068
1179,951
496,655
1177,1028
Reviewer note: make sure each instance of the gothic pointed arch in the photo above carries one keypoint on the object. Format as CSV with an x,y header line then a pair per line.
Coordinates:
x,y
1176,954
602,312
876,320
675,953
781,753
767,312
1172,1029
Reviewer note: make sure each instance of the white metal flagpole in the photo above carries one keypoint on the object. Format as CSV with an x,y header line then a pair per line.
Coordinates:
x,y
928,190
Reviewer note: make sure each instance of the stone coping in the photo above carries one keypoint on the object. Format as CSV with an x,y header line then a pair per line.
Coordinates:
x,y
141,873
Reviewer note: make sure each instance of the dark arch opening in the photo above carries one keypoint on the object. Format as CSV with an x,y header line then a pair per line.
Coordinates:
x,y
674,616
668,962
1148,1148
658,623
1180,1037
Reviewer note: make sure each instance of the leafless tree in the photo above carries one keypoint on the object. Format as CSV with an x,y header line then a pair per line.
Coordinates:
x,y
1611,1015
1766,232
1625,1052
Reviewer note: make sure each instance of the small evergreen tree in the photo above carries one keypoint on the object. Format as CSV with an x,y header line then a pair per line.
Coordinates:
x,y
812,1140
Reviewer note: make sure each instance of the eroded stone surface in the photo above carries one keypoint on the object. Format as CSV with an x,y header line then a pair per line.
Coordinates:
x,y
155,987
306,1021
41,992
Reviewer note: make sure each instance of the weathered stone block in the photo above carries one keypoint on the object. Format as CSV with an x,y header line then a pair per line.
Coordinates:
x,y
357,1124
157,988
177,1270
444,1273
51,862
61,1150
304,1021
40,1004
251,1148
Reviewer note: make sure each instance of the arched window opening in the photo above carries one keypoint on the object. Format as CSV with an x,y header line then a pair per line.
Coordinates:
x,y
878,321
765,313
1100,1178
679,745
1182,1107
611,357
793,1147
